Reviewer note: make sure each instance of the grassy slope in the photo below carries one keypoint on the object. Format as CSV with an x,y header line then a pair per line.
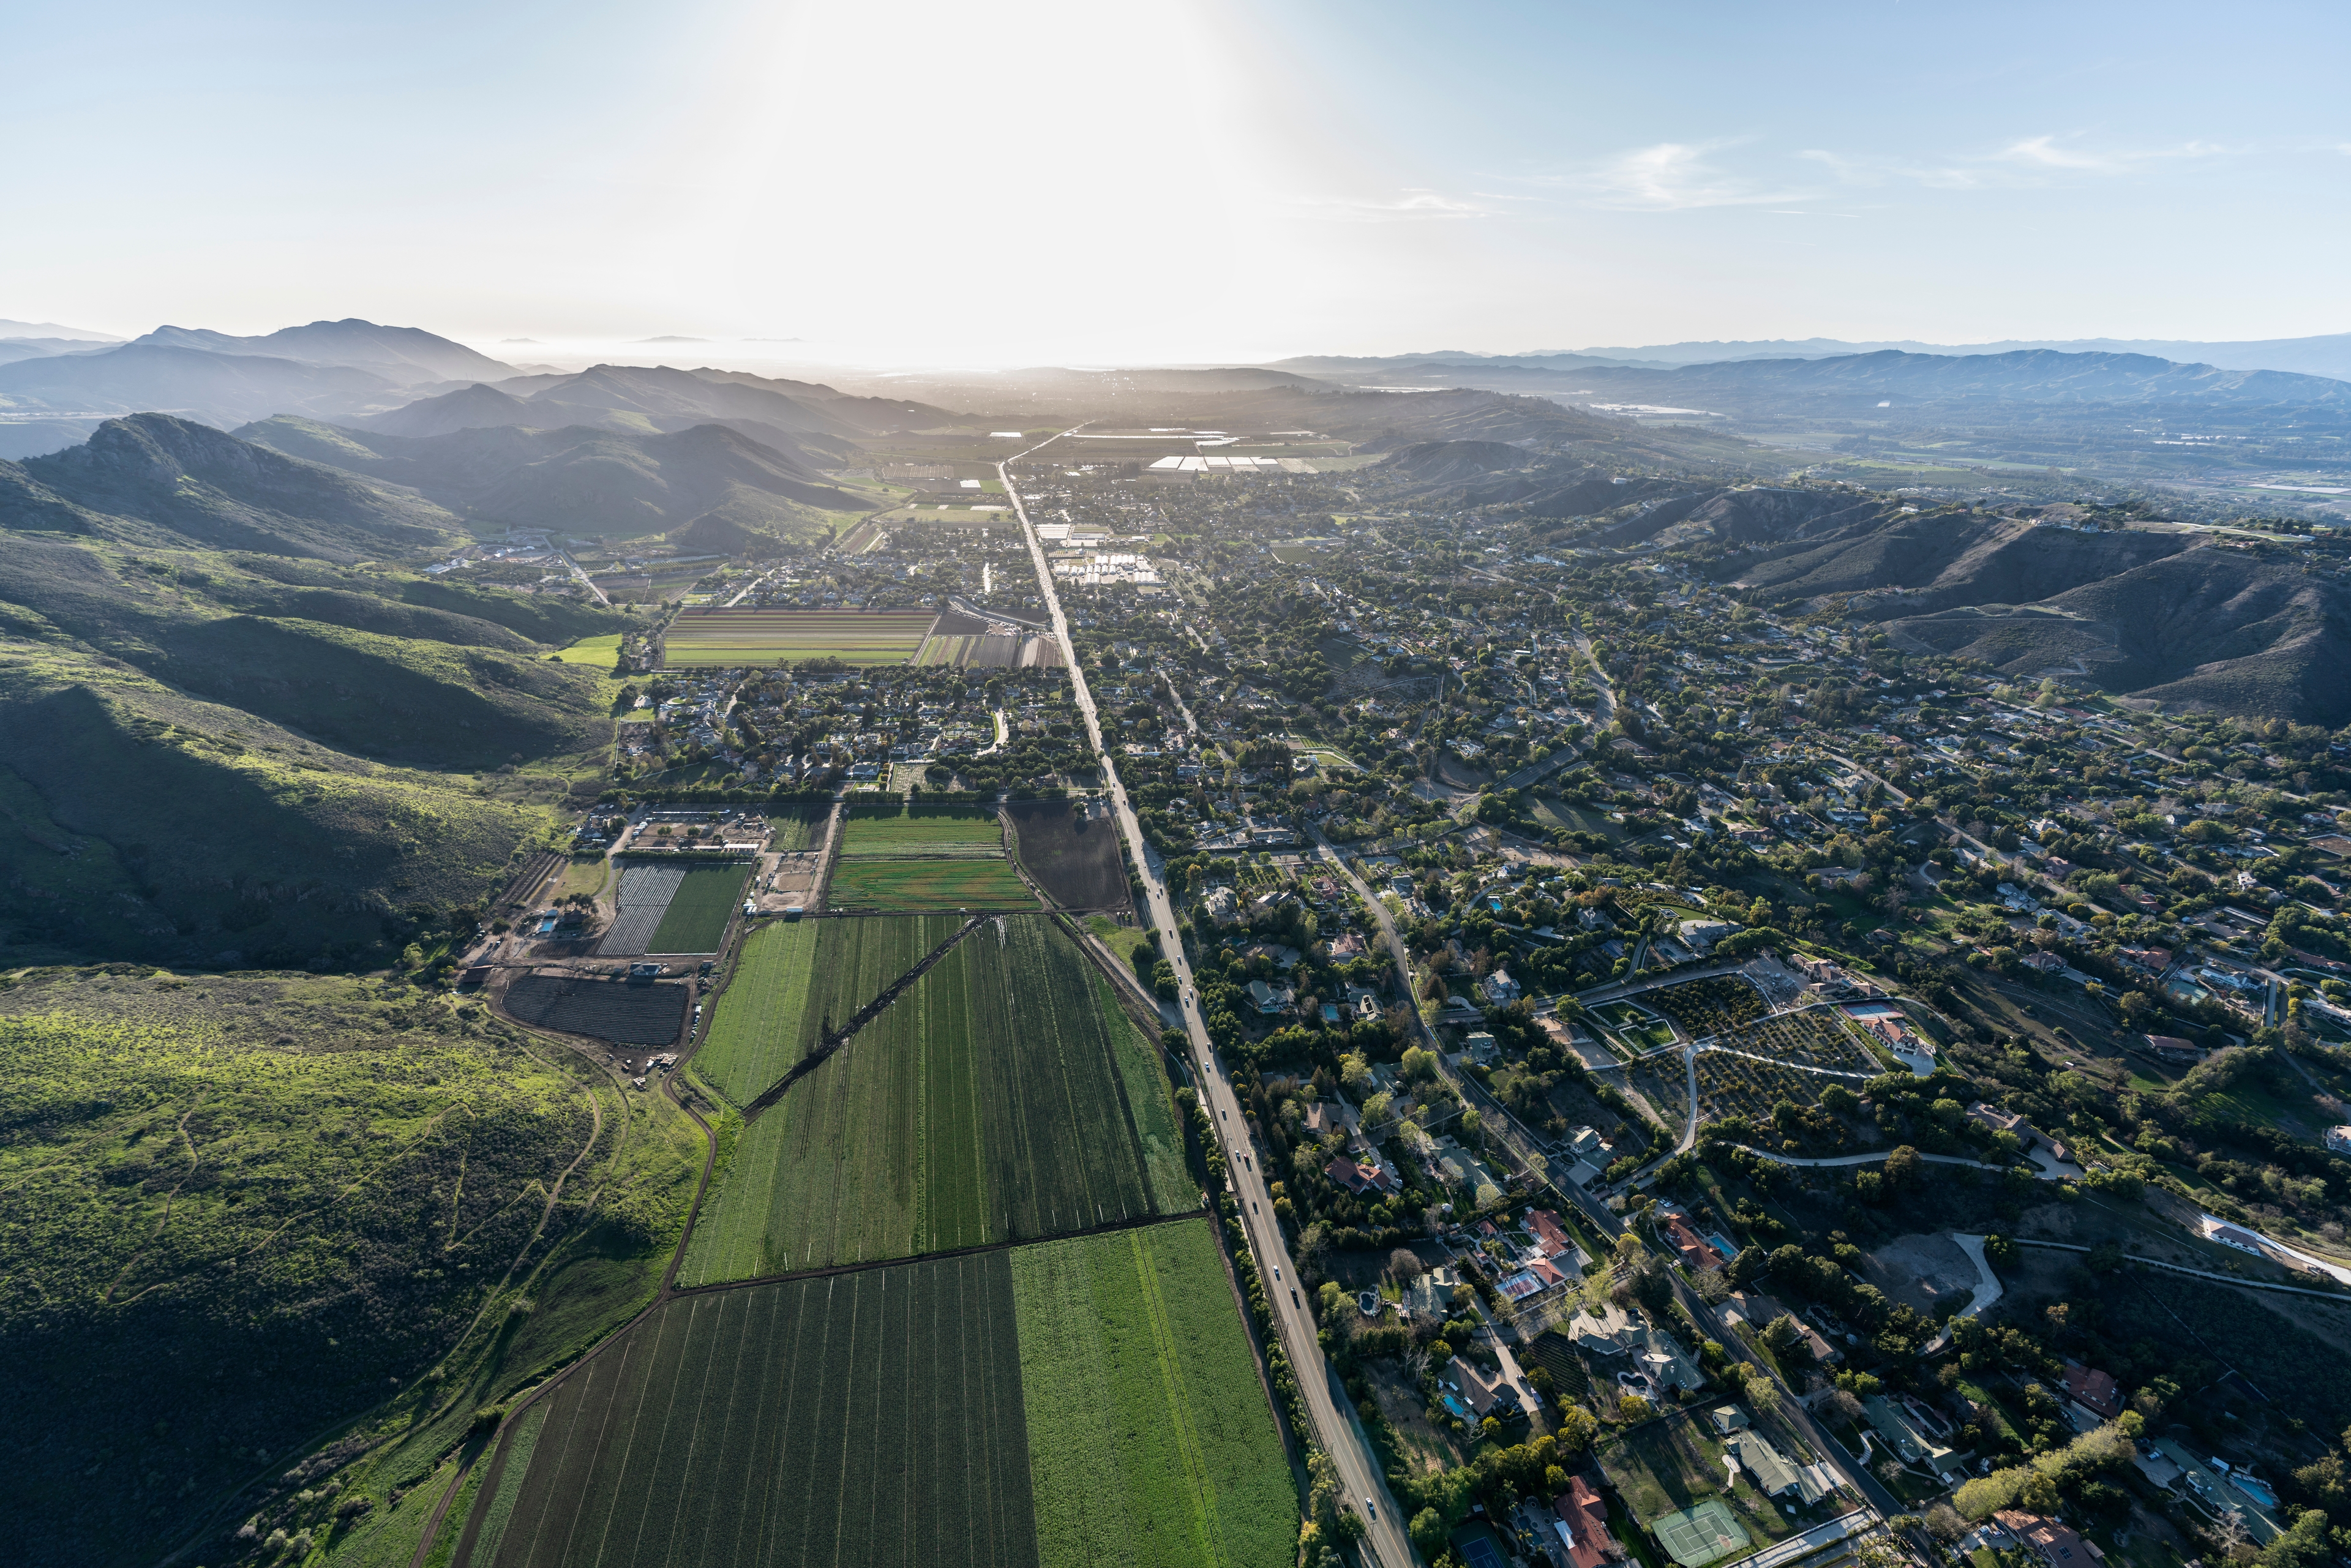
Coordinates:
x,y
1149,1438
242,1210
251,754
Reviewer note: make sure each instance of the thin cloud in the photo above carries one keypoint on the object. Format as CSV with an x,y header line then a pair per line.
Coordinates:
x,y
1678,176
2025,161
1408,205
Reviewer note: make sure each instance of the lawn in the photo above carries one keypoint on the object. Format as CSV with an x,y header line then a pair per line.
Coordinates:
x,y
1002,1096
696,921
869,1419
907,886
1148,1426
585,873
599,652
798,830
1122,940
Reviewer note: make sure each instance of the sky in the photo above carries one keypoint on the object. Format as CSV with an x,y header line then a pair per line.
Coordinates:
x,y
1065,181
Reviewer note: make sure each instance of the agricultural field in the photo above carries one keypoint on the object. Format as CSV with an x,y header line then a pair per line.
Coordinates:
x,y
1000,1097
605,1009
869,1420
639,903
1708,1007
1663,1083
697,916
1148,1427
795,978
949,831
1817,1037
584,874
1730,1085
907,886
704,637
1664,1468
1075,859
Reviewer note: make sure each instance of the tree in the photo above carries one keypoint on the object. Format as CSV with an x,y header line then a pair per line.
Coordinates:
x,y
1632,1407
1427,1532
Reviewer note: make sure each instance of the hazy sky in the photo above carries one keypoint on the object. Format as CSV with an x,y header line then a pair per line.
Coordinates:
x,y
1030,180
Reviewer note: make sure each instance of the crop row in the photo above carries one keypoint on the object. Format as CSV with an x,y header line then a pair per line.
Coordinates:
x,y
1731,1085
869,1418
1001,1096
929,884
1149,1434
1815,1037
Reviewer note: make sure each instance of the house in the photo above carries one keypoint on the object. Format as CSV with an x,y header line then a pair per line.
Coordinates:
x,y
1479,1048
1551,1237
2057,1545
1702,935
2094,1390
1727,1419
1907,1432
1499,989
1692,1249
1272,999
1360,1176
2172,1049
2338,1140
1224,905
1350,945
1431,1295
1489,1393
1583,1526
1771,1470
2044,963
1608,1333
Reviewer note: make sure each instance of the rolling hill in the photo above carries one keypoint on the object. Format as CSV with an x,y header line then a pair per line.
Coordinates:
x,y
156,479
582,479
1438,463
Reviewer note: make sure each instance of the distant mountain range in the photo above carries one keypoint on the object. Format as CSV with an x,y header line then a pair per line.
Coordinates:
x,y
2328,355
1886,377
45,329
403,355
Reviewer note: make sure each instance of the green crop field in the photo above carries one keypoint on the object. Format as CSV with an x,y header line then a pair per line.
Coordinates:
x,y
707,636
1148,1428
1001,1096
957,883
979,833
697,918
794,977
870,1421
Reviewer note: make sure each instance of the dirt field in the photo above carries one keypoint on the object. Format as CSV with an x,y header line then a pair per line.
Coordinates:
x,y
605,1010
1921,1272
1076,860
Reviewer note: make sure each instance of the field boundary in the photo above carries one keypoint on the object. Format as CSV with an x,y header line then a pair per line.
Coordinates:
x,y
833,1040
978,1249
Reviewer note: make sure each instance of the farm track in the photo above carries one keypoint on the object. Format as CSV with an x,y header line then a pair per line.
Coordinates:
x,y
977,1250
832,1041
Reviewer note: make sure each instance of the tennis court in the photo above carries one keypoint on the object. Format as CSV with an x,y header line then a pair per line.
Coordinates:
x,y
1700,1534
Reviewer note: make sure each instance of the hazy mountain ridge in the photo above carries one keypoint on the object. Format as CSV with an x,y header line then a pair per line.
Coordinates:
x,y
577,479
400,354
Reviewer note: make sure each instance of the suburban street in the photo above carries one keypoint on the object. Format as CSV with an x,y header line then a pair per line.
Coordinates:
x,y
1364,1487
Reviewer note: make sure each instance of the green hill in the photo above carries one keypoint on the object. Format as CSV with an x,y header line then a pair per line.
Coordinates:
x,y
203,764
582,479
252,1216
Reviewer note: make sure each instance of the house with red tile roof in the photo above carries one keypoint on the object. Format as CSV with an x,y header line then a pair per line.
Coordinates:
x,y
1584,1525
2094,1390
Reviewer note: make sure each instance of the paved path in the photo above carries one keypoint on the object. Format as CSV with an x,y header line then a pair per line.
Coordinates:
x,y
1337,1433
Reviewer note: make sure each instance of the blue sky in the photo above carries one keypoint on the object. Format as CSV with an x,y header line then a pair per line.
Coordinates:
x,y
1189,179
